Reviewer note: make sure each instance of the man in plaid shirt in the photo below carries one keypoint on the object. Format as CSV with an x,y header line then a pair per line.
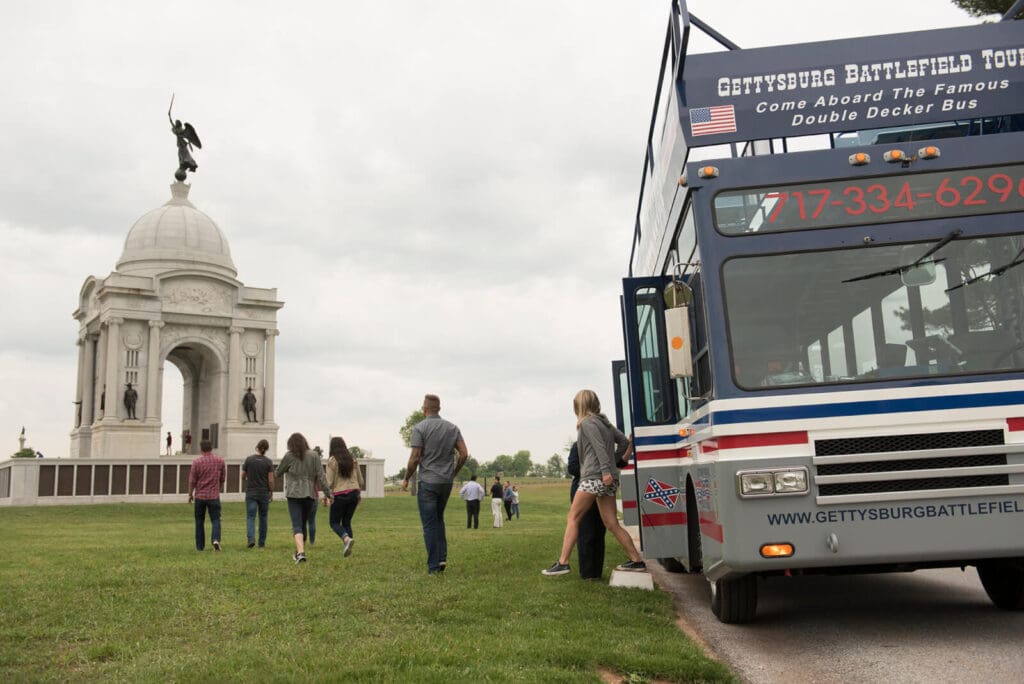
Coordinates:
x,y
205,479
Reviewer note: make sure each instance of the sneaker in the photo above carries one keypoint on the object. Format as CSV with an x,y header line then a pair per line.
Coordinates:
x,y
251,544
299,558
348,547
556,569
216,546
632,566
442,565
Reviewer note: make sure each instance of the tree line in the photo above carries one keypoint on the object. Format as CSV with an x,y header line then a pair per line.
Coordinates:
x,y
519,464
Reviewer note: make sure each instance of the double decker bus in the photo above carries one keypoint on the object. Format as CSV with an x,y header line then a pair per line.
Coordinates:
x,y
823,318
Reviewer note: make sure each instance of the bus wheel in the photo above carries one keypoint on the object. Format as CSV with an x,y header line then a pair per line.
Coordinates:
x,y
1003,579
734,600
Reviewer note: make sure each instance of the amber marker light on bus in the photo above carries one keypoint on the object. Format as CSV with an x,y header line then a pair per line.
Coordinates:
x,y
894,156
782,550
929,152
708,172
859,159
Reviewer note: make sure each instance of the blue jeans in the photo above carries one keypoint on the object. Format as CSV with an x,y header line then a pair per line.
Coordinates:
x,y
201,507
256,503
309,531
342,509
299,512
432,497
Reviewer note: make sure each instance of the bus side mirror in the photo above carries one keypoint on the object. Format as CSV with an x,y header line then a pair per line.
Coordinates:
x,y
677,329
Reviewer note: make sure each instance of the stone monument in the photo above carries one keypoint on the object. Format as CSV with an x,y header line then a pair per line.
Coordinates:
x,y
174,297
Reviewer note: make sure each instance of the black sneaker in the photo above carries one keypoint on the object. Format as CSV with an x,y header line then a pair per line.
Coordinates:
x,y
216,546
632,566
251,544
556,569
442,565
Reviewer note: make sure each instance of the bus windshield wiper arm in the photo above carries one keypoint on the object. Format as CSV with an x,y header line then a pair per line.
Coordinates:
x,y
1017,261
923,259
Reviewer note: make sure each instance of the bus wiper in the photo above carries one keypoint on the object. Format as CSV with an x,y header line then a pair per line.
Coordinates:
x,y
1017,261
923,259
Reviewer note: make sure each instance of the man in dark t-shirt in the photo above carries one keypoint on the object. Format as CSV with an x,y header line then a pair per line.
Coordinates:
x,y
258,475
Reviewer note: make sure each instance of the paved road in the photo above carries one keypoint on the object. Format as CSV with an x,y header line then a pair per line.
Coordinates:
x,y
928,626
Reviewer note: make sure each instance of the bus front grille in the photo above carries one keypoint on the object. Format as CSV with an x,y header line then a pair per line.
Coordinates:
x,y
894,467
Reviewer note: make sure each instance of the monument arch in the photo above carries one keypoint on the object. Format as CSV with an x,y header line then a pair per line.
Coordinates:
x,y
174,296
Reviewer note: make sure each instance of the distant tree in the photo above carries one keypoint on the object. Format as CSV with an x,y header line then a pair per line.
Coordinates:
x,y
503,464
359,452
472,467
521,463
27,452
406,432
556,466
410,422
538,470
981,8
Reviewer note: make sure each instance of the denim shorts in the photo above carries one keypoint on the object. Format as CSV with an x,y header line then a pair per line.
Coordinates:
x,y
597,487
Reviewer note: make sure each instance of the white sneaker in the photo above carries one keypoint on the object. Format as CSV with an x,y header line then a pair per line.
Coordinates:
x,y
348,547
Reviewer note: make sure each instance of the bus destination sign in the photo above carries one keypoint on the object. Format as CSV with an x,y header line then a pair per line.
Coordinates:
x,y
861,201
854,84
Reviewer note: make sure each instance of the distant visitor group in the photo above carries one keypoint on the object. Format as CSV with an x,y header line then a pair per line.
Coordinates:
x,y
600,451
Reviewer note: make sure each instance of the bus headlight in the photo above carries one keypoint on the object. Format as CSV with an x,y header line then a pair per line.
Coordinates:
x,y
791,481
754,484
781,481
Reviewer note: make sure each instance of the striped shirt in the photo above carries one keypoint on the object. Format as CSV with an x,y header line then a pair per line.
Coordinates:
x,y
206,476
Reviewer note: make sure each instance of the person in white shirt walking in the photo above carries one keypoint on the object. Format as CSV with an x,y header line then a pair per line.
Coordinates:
x,y
471,493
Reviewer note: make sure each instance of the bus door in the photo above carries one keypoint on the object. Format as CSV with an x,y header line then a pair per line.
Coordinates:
x,y
654,405
624,421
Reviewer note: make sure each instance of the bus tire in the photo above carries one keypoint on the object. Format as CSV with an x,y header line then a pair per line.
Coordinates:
x,y
734,601
672,564
1003,580
693,529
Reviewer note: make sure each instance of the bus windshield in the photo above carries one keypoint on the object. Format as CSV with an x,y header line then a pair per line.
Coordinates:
x,y
864,314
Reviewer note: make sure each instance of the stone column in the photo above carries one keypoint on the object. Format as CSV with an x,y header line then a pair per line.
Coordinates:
x,y
153,371
89,373
101,372
81,381
234,393
114,389
268,379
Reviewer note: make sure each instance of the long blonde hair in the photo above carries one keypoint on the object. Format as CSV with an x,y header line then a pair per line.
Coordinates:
x,y
584,404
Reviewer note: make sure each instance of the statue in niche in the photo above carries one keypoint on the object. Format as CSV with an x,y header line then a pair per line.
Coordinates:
x,y
187,139
130,399
249,404
103,399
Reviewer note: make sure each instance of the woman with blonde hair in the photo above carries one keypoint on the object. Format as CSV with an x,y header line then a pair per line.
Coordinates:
x,y
601,447
346,483
304,470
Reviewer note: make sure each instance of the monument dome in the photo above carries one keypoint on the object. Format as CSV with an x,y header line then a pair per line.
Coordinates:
x,y
176,236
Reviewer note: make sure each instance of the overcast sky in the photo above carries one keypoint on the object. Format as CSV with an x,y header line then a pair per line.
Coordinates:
x,y
443,193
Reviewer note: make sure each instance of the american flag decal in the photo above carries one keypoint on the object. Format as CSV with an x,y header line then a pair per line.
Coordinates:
x,y
661,493
712,120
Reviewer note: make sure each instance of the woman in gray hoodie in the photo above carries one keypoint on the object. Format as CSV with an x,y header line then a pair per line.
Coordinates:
x,y
601,447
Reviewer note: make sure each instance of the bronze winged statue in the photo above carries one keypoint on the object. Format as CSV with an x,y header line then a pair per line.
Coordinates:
x,y
187,139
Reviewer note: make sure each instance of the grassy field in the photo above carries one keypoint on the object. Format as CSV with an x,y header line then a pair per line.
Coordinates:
x,y
118,592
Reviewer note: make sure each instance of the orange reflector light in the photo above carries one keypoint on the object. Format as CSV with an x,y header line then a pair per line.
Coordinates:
x,y
677,342
685,432
894,156
859,159
929,152
776,550
708,172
